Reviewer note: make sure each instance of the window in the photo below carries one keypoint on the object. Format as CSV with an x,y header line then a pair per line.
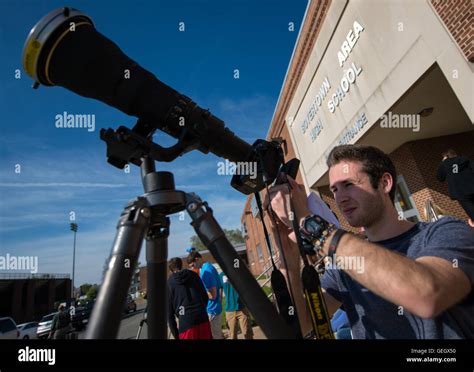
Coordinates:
x,y
259,252
254,207
271,249
250,257
244,229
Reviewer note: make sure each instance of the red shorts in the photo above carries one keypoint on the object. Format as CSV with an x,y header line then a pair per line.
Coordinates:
x,y
200,332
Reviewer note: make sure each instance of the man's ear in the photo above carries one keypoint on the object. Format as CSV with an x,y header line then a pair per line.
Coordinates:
x,y
386,182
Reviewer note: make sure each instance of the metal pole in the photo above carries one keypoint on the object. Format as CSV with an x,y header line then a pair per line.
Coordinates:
x,y
73,263
74,229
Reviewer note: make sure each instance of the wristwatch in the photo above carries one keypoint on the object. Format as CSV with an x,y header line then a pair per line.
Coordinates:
x,y
315,230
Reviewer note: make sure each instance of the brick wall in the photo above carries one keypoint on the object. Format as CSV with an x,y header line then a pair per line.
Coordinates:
x,y
418,162
458,16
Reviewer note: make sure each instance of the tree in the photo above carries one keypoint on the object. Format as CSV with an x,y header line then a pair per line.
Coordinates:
x,y
196,243
84,288
235,237
92,292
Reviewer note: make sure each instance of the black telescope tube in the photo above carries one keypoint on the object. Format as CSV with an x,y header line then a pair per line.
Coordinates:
x,y
89,64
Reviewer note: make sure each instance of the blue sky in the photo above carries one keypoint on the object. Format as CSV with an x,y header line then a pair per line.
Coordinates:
x,y
64,170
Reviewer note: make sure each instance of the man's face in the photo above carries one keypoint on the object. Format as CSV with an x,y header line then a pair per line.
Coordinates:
x,y
359,202
198,263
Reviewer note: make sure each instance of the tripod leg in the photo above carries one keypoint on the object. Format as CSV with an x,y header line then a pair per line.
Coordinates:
x,y
157,295
108,310
212,236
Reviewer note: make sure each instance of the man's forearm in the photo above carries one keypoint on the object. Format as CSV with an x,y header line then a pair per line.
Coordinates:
x,y
212,294
390,275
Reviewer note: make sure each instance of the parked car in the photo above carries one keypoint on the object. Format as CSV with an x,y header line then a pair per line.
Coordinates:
x,y
28,330
44,326
8,329
130,305
81,314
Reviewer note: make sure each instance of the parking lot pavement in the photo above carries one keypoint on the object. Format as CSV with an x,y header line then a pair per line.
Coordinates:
x,y
129,325
131,322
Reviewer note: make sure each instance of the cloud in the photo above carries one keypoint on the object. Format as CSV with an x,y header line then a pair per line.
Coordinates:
x,y
62,184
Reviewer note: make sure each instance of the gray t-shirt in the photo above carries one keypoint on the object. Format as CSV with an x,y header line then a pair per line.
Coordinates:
x,y
371,316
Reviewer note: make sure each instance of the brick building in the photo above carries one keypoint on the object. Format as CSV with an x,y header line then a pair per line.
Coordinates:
x,y
28,297
398,75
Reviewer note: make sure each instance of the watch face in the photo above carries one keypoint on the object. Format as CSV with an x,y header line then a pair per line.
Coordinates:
x,y
315,226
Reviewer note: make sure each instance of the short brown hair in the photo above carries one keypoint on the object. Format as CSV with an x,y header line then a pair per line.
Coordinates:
x,y
193,256
175,264
374,162
450,153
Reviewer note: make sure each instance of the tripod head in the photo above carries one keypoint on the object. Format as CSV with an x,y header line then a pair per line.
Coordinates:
x,y
126,146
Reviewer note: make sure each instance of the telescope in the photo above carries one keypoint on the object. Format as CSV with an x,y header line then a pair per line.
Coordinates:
x,y
65,49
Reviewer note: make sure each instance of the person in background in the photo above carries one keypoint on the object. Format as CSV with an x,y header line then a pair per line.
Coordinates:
x,y
235,312
187,301
61,324
458,171
212,283
191,264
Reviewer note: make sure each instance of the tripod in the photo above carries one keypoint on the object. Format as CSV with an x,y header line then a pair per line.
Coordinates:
x,y
146,217
143,321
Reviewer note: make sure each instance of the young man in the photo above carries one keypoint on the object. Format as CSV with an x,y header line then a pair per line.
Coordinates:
x,y
212,283
187,301
458,171
235,312
191,264
416,279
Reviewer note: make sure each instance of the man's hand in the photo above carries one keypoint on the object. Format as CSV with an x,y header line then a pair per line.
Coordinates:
x,y
212,293
279,201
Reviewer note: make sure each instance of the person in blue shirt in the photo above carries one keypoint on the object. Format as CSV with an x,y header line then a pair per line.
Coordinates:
x,y
213,285
235,311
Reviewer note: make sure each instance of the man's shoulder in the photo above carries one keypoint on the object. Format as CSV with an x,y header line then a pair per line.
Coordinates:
x,y
210,267
447,232
448,226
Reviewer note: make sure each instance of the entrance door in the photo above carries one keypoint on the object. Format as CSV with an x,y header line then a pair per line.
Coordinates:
x,y
404,202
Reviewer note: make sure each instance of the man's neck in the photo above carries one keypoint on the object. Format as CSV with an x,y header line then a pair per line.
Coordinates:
x,y
388,226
